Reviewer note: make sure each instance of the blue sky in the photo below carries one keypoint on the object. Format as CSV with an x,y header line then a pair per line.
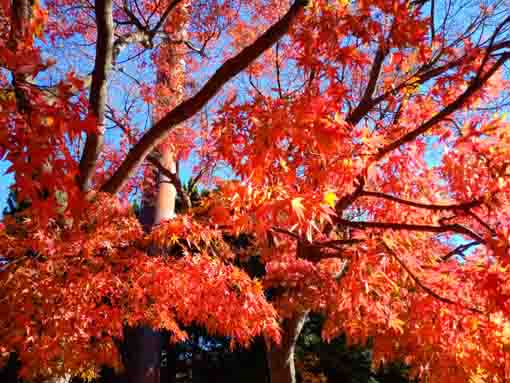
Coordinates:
x,y
5,182
69,57
65,63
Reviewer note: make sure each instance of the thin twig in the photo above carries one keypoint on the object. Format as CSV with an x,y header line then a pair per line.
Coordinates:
x,y
459,250
428,290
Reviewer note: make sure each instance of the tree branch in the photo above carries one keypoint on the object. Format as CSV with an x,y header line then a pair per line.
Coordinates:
x,y
450,228
365,104
345,202
132,18
482,222
277,64
461,206
421,76
21,15
98,90
348,199
428,290
286,232
173,178
107,52
460,250
142,36
474,86
165,15
191,106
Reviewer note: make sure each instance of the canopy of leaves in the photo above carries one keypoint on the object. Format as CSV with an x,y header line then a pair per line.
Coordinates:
x,y
361,146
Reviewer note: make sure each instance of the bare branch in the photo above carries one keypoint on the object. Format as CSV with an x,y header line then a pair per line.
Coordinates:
x,y
194,181
277,65
491,45
460,206
425,73
348,199
482,222
338,244
173,177
473,87
428,290
165,15
450,228
365,104
191,106
21,15
98,90
345,202
132,18
460,250
432,21
286,232
142,36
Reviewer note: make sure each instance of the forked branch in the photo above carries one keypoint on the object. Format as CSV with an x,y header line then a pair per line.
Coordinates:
x,y
425,288
173,177
191,106
475,85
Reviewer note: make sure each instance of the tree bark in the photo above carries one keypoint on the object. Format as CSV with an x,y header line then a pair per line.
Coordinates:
x,y
281,358
143,345
98,90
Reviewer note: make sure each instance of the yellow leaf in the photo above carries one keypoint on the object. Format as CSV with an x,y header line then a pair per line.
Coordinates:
x,y
298,207
397,324
330,198
479,376
283,164
49,121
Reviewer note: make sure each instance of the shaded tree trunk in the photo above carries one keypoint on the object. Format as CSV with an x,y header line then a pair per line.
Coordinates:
x,y
143,345
281,358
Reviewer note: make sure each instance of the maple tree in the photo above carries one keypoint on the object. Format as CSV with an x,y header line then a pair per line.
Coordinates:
x,y
366,153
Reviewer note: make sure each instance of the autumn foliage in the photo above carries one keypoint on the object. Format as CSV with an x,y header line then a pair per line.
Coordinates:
x,y
361,145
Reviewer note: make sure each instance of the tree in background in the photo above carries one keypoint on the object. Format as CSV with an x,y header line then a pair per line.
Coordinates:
x,y
364,153
339,361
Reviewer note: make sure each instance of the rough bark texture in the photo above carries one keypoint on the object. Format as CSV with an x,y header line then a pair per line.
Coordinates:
x,y
98,90
281,358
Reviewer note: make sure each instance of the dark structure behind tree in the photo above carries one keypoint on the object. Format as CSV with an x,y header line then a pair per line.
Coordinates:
x,y
206,359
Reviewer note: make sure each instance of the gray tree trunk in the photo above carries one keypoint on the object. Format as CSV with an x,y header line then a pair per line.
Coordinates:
x,y
281,358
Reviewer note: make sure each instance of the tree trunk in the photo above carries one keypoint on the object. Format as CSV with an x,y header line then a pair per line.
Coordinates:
x,y
143,345
281,358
